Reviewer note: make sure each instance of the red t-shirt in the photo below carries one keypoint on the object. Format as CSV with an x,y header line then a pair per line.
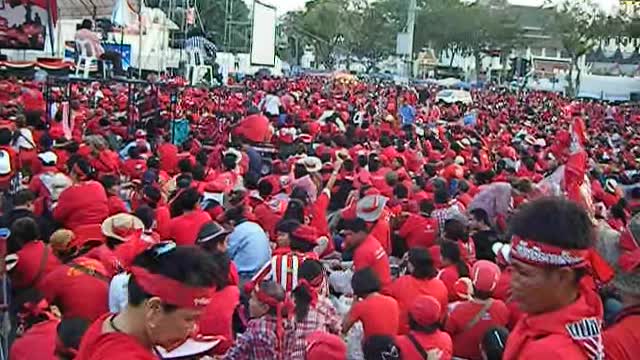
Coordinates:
x,y
266,217
168,154
134,168
98,346
371,254
217,317
437,340
378,313
184,229
419,231
407,288
449,275
319,218
622,340
116,205
503,288
381,230
77,293
28,266
38,343
85,203
466,342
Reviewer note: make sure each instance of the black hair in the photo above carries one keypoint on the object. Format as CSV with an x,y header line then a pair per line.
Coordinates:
x,y
6,136
287,225
449,250
70,332
455,230
265,188
229,161
381,347
222,266
86,24
422,263
430,169
301,194
109,181
309,270
427,329
441,196
23,197
236,214
23,231
153,195
202,157
355,225
365,282
153,163
146,214
184,180
427,207
362,160
189,199
299,171
186,264
374,163
480,215
554,221
400,191
133,152
493,342
184,165
294,211
198,172
83,165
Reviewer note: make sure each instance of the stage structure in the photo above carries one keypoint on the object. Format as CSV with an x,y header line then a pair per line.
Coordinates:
x,y
263,39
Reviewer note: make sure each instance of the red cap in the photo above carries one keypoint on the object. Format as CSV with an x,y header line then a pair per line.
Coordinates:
x,y
307,234
425,310
325,346
485,275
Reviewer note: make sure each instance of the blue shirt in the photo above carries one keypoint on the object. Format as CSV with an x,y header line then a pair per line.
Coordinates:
x,y
408,114
249,248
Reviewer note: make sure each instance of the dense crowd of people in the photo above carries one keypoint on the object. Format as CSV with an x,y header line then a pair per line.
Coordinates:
x,y
309,218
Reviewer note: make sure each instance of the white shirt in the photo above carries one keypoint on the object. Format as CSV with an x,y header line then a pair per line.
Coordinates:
x,y
119,293
272,104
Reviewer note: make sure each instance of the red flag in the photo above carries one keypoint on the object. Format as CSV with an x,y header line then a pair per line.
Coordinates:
x,y
576,166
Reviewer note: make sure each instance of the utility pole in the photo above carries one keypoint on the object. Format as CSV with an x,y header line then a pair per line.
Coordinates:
x,y
411,28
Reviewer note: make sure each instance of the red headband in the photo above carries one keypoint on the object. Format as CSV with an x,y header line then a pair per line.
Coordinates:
x,y
171,291
284,306
311,286
539,254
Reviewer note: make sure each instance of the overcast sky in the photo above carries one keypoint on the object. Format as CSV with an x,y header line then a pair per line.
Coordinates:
x,y
288,5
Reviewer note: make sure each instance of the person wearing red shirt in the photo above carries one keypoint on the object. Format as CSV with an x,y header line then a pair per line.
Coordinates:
x,y
85,202
34,258
184,228
168,154
469,320
550,248
378,313
420,281
165,274
425,336
367,251
621,340
80,288
37,343
420,230
135,166
372,209
453,267
116,204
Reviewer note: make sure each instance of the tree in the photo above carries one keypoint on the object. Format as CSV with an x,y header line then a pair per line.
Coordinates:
x,y
580,27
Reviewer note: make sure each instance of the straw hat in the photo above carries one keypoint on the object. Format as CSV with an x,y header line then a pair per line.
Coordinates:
x,y
311,163
120,226
370,207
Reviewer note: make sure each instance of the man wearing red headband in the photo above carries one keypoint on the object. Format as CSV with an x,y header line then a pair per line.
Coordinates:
x,y
549,254
270,333
168,290
367,251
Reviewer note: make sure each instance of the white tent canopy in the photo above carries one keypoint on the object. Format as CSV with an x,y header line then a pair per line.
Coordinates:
x,y
75,9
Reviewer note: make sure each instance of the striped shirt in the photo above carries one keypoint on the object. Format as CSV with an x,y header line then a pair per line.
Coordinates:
x,y
283,268
200,44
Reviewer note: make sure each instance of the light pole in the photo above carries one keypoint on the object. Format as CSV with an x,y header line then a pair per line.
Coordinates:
x,y
411,27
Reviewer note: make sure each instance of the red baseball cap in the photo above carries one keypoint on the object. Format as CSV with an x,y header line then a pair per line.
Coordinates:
x,y
485,275
425,310
325,346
